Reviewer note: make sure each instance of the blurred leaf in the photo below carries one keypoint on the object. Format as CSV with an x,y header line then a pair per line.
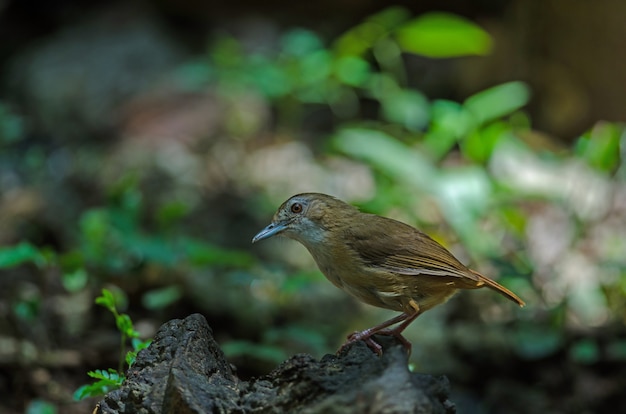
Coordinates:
x,y
268,77
443,35
479,144
600,146
463,195
301,42
161,298
11,126
201,254
171,212
352,70
22,253
150,248
584,351
300,281
75,281
449,121
362,38
407,108
40,407
536,342
195,75
497,101
387,154
94,225
27,310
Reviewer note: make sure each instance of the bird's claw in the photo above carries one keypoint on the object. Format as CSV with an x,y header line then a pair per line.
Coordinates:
x,y
366,336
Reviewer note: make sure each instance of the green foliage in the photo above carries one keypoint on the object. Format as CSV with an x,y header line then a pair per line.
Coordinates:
x,y
600,146
112,379
11,126
40,407
442,35
365,62
21,253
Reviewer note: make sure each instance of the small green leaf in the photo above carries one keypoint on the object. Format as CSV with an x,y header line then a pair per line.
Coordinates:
x,y
161,298
407,108
40,407
498,101
199,253
600,146
75,281
443,35
352,70
386,153
107,300
125,326
171,213
22,253
300,42
479,145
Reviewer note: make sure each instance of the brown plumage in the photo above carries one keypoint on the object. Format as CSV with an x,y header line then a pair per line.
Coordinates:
x,y
380,261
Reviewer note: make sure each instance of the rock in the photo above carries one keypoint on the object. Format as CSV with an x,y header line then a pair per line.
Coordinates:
x,y
185,371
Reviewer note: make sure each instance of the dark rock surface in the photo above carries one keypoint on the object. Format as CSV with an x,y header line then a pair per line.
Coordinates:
x,y
184,371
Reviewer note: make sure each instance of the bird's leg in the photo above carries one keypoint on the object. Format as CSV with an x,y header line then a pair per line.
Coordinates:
x,y
397,331
366,335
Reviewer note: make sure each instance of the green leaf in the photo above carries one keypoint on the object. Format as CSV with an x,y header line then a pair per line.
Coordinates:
x,y
22,253
11,126
362,38
352,70
171,212
600,146
40,407
387,154
407,108
107,300
443,35
75,281
199,253
125,326
161,298
107,381
300,42
479,145
498,101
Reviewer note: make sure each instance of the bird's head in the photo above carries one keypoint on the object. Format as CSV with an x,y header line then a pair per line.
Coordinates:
x,y
307,218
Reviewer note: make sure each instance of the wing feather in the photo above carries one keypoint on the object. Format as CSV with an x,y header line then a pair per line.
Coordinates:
x,y
391,245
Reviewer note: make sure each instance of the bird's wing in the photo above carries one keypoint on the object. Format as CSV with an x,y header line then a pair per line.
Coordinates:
x,y
400,248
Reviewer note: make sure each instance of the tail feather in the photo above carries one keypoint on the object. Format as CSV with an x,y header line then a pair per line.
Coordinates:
x,y
499,288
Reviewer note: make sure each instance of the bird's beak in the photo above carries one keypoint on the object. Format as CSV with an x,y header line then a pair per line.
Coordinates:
x,y
269,231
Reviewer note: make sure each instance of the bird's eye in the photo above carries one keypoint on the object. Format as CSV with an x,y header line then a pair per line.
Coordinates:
x,y
296,208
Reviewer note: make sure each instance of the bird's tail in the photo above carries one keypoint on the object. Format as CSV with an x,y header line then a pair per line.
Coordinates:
x,y
499,288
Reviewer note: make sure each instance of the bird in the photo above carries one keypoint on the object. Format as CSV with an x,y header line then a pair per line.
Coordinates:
x,y
378,260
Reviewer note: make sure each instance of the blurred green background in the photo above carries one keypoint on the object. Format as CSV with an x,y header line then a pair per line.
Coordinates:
x,y
143,144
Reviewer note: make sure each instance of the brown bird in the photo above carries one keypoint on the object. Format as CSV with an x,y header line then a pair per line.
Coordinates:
x,y
378,260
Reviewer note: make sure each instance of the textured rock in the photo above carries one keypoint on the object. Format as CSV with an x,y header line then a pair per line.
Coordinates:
x,y
184,371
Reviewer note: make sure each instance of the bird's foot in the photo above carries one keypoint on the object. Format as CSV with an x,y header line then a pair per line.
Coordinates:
x,y
365,336
398,335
